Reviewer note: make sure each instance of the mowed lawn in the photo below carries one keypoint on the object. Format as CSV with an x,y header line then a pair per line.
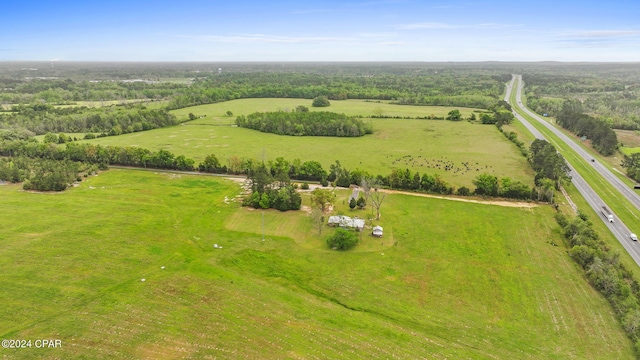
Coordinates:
x,y
448,280
457,151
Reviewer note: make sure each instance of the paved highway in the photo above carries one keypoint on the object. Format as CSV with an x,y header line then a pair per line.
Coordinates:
x,y
619,230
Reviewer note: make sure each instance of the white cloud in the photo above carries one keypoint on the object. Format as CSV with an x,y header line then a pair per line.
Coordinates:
x,y
311,11
264,38
428,25
444,26
601,33
595,38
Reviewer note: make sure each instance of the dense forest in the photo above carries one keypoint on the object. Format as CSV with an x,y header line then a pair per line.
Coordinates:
x,y
304,123
112,120
572,118
449,88
194,84
607,92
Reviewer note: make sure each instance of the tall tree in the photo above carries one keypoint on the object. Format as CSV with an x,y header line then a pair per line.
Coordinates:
x,y
376,197
323,198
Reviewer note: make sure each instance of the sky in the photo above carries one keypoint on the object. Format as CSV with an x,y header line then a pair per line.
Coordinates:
x,y
329,30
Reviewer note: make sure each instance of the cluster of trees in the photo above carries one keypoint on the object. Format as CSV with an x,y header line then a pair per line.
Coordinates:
x,y
268,191
408,180
113,120
632,164
342,239
97,154
15,133
489,185
41,174
500,114
301,123
605,272
545,105
547,163
602,137
321,101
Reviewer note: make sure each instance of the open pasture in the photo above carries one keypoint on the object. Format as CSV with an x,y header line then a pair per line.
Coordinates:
x,y
365,108
459,281
457,151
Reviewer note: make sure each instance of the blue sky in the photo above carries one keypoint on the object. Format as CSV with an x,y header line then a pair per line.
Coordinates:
x,y
377,30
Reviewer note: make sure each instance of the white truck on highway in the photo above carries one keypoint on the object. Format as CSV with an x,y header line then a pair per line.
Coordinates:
x,y
607,213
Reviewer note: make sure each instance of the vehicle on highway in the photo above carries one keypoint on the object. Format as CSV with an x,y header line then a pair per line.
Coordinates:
x,y
633,237
607,213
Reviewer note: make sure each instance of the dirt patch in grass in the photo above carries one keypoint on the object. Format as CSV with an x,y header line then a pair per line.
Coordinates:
x,y
630,138
518,204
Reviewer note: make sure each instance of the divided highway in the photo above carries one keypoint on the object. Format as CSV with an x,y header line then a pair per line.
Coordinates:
x,y
618,228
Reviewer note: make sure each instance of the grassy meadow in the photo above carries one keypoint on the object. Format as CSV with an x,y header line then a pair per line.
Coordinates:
x,y
420,145
365,108
448,280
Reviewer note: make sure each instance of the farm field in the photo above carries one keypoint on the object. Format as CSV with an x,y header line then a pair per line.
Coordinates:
x,y
448,280
427,146
630,141
364,108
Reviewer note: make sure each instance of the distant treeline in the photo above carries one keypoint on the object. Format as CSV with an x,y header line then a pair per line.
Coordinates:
x,y
447,88
317,123
570,114
113,120
609,95
603,138
42,174
67,91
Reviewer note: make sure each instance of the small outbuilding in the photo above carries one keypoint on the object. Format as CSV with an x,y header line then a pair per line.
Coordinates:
x,y
354,194
377,231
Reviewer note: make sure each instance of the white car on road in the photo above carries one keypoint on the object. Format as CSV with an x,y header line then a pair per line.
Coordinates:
x,y
633,237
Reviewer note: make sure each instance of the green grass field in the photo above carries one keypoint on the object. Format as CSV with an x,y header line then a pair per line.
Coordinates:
x,y
364,108
415,144
448,280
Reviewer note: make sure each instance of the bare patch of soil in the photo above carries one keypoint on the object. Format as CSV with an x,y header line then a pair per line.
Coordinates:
x,y
518,204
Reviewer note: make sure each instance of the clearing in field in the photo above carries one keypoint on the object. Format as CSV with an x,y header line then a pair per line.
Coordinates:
x,y
458,280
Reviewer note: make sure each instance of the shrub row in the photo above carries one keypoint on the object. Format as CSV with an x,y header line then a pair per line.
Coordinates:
x,y
605,273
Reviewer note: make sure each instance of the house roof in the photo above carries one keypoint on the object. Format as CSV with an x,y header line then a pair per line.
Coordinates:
x,y
345,221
